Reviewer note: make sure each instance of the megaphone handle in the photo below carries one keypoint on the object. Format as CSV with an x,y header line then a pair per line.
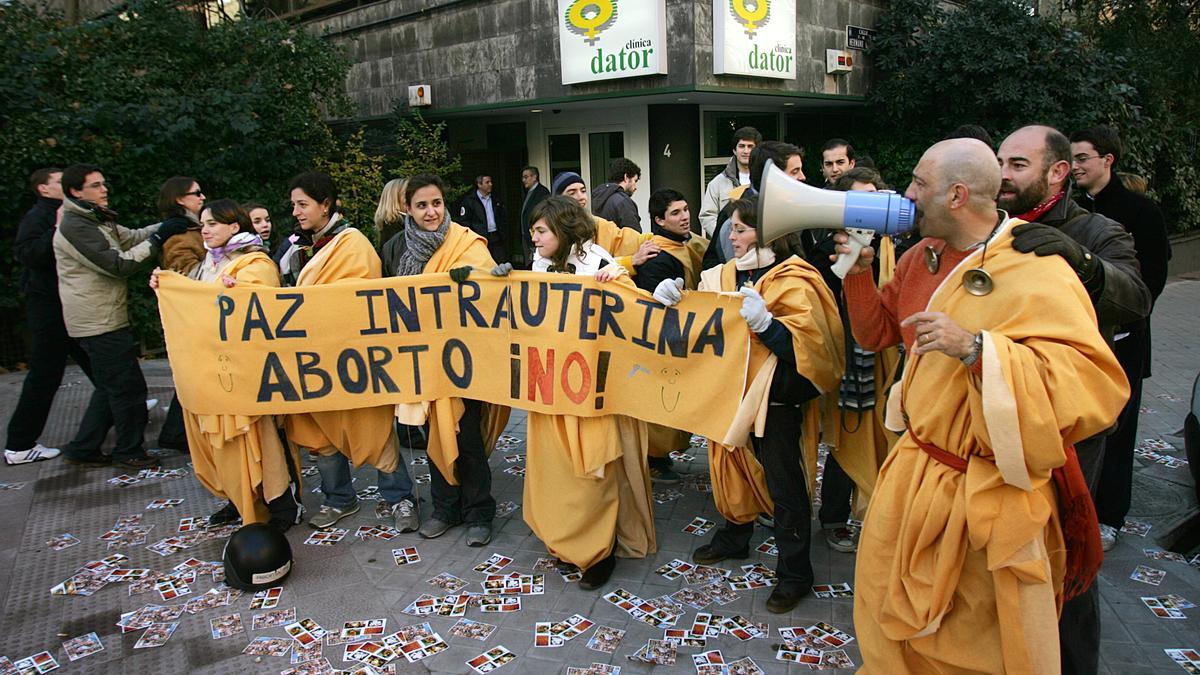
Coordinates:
x,y
856,241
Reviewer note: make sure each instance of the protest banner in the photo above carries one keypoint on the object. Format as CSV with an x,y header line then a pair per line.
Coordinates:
x,y
560,345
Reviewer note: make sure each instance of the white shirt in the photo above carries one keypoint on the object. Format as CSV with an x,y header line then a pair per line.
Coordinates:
x,y
487,207
744,178
594,258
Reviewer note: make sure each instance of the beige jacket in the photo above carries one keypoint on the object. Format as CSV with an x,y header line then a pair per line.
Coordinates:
x,y
94,260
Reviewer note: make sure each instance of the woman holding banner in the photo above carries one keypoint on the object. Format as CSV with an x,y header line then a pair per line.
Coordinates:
x,y
326,251
460,430
239,457
796,354
587,489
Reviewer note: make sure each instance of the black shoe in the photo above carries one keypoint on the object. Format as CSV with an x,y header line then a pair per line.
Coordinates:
x,y
785,598
94,459
140,462
226,515
597,575
709,554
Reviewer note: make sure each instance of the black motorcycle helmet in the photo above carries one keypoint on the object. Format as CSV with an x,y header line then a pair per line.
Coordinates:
x,y
257,557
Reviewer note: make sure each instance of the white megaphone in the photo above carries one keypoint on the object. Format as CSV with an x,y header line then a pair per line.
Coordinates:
x,y
786,205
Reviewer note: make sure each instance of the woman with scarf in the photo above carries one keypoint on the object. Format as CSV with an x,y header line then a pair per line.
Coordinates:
x,y
179,202
587,490
459,430
796,354
237,457
326,250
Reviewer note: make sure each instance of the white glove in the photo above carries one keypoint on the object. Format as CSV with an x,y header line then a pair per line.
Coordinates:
x,y
754,310
669,291
502,269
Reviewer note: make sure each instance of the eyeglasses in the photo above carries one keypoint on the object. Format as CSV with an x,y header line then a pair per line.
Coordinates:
x,y
1080,159
194,193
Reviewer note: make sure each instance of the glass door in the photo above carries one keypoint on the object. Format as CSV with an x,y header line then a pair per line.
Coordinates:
x,y
603,148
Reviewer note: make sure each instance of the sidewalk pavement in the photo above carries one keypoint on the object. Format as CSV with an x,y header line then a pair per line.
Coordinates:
x,y
358,579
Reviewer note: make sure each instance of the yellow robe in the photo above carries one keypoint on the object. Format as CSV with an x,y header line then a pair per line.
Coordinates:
x,y
859,440
665,440
460,247
961,572
620,242
238,457
587,485
797,296
364,435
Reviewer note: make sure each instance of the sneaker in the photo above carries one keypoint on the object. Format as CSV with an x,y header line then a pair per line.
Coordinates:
x,y
841,539
91,459
664,476
435,527
138,463
1108,537
405,514
479,535
328,516
36,453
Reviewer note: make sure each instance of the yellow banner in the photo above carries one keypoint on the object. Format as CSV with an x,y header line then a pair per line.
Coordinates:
x,y
561,345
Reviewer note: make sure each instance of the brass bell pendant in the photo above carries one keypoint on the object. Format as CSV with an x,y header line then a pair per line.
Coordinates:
x,y
978,282
932,260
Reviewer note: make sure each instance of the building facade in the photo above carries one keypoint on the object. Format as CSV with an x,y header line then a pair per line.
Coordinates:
x,y
572,84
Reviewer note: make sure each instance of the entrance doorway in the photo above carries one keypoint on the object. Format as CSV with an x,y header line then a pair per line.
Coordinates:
x,y
587,152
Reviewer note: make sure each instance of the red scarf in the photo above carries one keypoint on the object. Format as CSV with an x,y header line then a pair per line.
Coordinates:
x,y
1040,210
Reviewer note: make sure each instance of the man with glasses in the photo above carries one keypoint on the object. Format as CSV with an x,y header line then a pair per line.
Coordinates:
x,y
95,256
1035,162
1095,153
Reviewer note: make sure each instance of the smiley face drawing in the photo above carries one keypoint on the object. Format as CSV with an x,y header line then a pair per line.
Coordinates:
x,y
224,374
669,393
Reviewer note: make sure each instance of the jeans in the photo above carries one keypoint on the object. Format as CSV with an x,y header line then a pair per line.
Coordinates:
x,y
48,350
338,485
119,400
471,500
779,453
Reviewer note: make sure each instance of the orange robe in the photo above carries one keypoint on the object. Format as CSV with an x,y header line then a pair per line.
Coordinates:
x,y
797,296
239,457
621,242
962,572
364,435
587,486
461,247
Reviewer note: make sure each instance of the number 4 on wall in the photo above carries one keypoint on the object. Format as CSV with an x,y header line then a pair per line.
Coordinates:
x,y
667,150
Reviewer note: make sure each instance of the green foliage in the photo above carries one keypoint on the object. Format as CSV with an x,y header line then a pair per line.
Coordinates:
x,y
996,64
150,93
422,148
359,178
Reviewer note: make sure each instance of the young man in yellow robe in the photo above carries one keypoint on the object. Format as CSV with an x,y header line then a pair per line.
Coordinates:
x,y
680,257
979,523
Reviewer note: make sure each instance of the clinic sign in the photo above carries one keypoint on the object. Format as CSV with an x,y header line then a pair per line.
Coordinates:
x,y
611,39
755,38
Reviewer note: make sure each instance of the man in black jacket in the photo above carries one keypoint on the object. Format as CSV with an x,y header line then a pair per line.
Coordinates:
x,y
1094,154
49,343
535,193
1035,162
484,214
613,200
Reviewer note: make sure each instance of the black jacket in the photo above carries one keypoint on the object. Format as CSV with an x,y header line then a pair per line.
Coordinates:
x,y
472,214
1142,218
34,248
1123,297
611,202
534,196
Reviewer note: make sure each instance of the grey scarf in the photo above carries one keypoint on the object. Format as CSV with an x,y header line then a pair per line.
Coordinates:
x,y
420,245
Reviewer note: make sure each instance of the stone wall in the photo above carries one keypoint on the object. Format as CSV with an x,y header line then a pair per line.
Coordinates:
x,y
495,52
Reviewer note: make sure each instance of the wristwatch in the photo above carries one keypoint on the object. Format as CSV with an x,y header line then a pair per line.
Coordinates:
x,y
976,350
